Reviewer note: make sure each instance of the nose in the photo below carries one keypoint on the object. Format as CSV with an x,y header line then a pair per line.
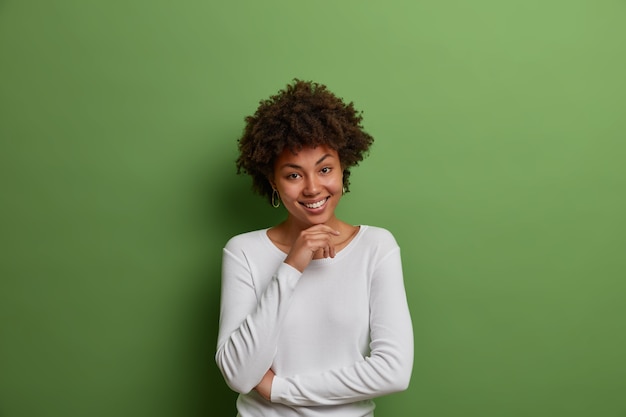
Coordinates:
x,y
312,186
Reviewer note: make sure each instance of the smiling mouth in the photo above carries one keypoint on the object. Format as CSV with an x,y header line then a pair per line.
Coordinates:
x,y
317,204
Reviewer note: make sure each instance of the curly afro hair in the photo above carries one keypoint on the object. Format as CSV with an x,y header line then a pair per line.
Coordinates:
x,y
304,114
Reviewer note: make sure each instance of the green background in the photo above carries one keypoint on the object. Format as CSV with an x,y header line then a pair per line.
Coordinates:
x,y
498,164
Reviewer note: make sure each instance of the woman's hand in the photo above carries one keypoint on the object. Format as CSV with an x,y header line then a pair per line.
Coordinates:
x,y
315,238
265,386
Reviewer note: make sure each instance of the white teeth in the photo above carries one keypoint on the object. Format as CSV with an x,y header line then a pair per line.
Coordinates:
x,y
316,205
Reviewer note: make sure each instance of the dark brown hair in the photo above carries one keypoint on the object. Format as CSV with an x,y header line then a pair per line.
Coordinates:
x,y
303,114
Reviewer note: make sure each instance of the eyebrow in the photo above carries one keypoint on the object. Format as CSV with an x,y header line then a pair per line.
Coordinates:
x,y
299,167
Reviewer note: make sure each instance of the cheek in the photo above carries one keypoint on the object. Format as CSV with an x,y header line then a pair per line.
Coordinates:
x,y
289,190
336,185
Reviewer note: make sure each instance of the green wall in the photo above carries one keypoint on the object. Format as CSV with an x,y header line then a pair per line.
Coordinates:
x,y
498,164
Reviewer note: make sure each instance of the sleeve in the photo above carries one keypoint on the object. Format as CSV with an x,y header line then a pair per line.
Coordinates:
x,y
388,367
249,327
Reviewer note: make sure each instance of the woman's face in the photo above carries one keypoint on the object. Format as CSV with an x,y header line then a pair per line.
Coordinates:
x,y
310,184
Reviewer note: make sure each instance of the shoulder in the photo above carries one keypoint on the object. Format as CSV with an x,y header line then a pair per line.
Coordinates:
x,y
378,236
378,233
246,240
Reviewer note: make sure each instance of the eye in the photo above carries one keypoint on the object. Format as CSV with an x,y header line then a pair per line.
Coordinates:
x,y
293,176
326,170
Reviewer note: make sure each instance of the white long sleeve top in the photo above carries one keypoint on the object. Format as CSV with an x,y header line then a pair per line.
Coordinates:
x,y
336,335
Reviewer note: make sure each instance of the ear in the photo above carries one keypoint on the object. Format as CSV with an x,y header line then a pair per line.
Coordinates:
x,y
272,183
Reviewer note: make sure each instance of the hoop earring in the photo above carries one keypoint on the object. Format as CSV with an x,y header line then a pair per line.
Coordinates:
x,y
275,198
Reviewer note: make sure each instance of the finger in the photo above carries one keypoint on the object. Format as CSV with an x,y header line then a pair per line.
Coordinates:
x,y
322,241
322,228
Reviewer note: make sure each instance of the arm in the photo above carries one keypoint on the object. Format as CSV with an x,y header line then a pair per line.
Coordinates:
x,y
249,328
388,367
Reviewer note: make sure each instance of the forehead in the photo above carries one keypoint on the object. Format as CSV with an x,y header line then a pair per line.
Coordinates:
x,y
306,156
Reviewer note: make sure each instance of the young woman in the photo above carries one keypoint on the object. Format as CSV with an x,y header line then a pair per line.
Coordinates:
x,y
314,319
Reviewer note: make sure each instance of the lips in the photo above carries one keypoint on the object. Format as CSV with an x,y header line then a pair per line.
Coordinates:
x,y
316,204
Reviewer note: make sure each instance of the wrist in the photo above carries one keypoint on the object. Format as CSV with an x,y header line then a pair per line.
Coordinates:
x,y
294,265
265,386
